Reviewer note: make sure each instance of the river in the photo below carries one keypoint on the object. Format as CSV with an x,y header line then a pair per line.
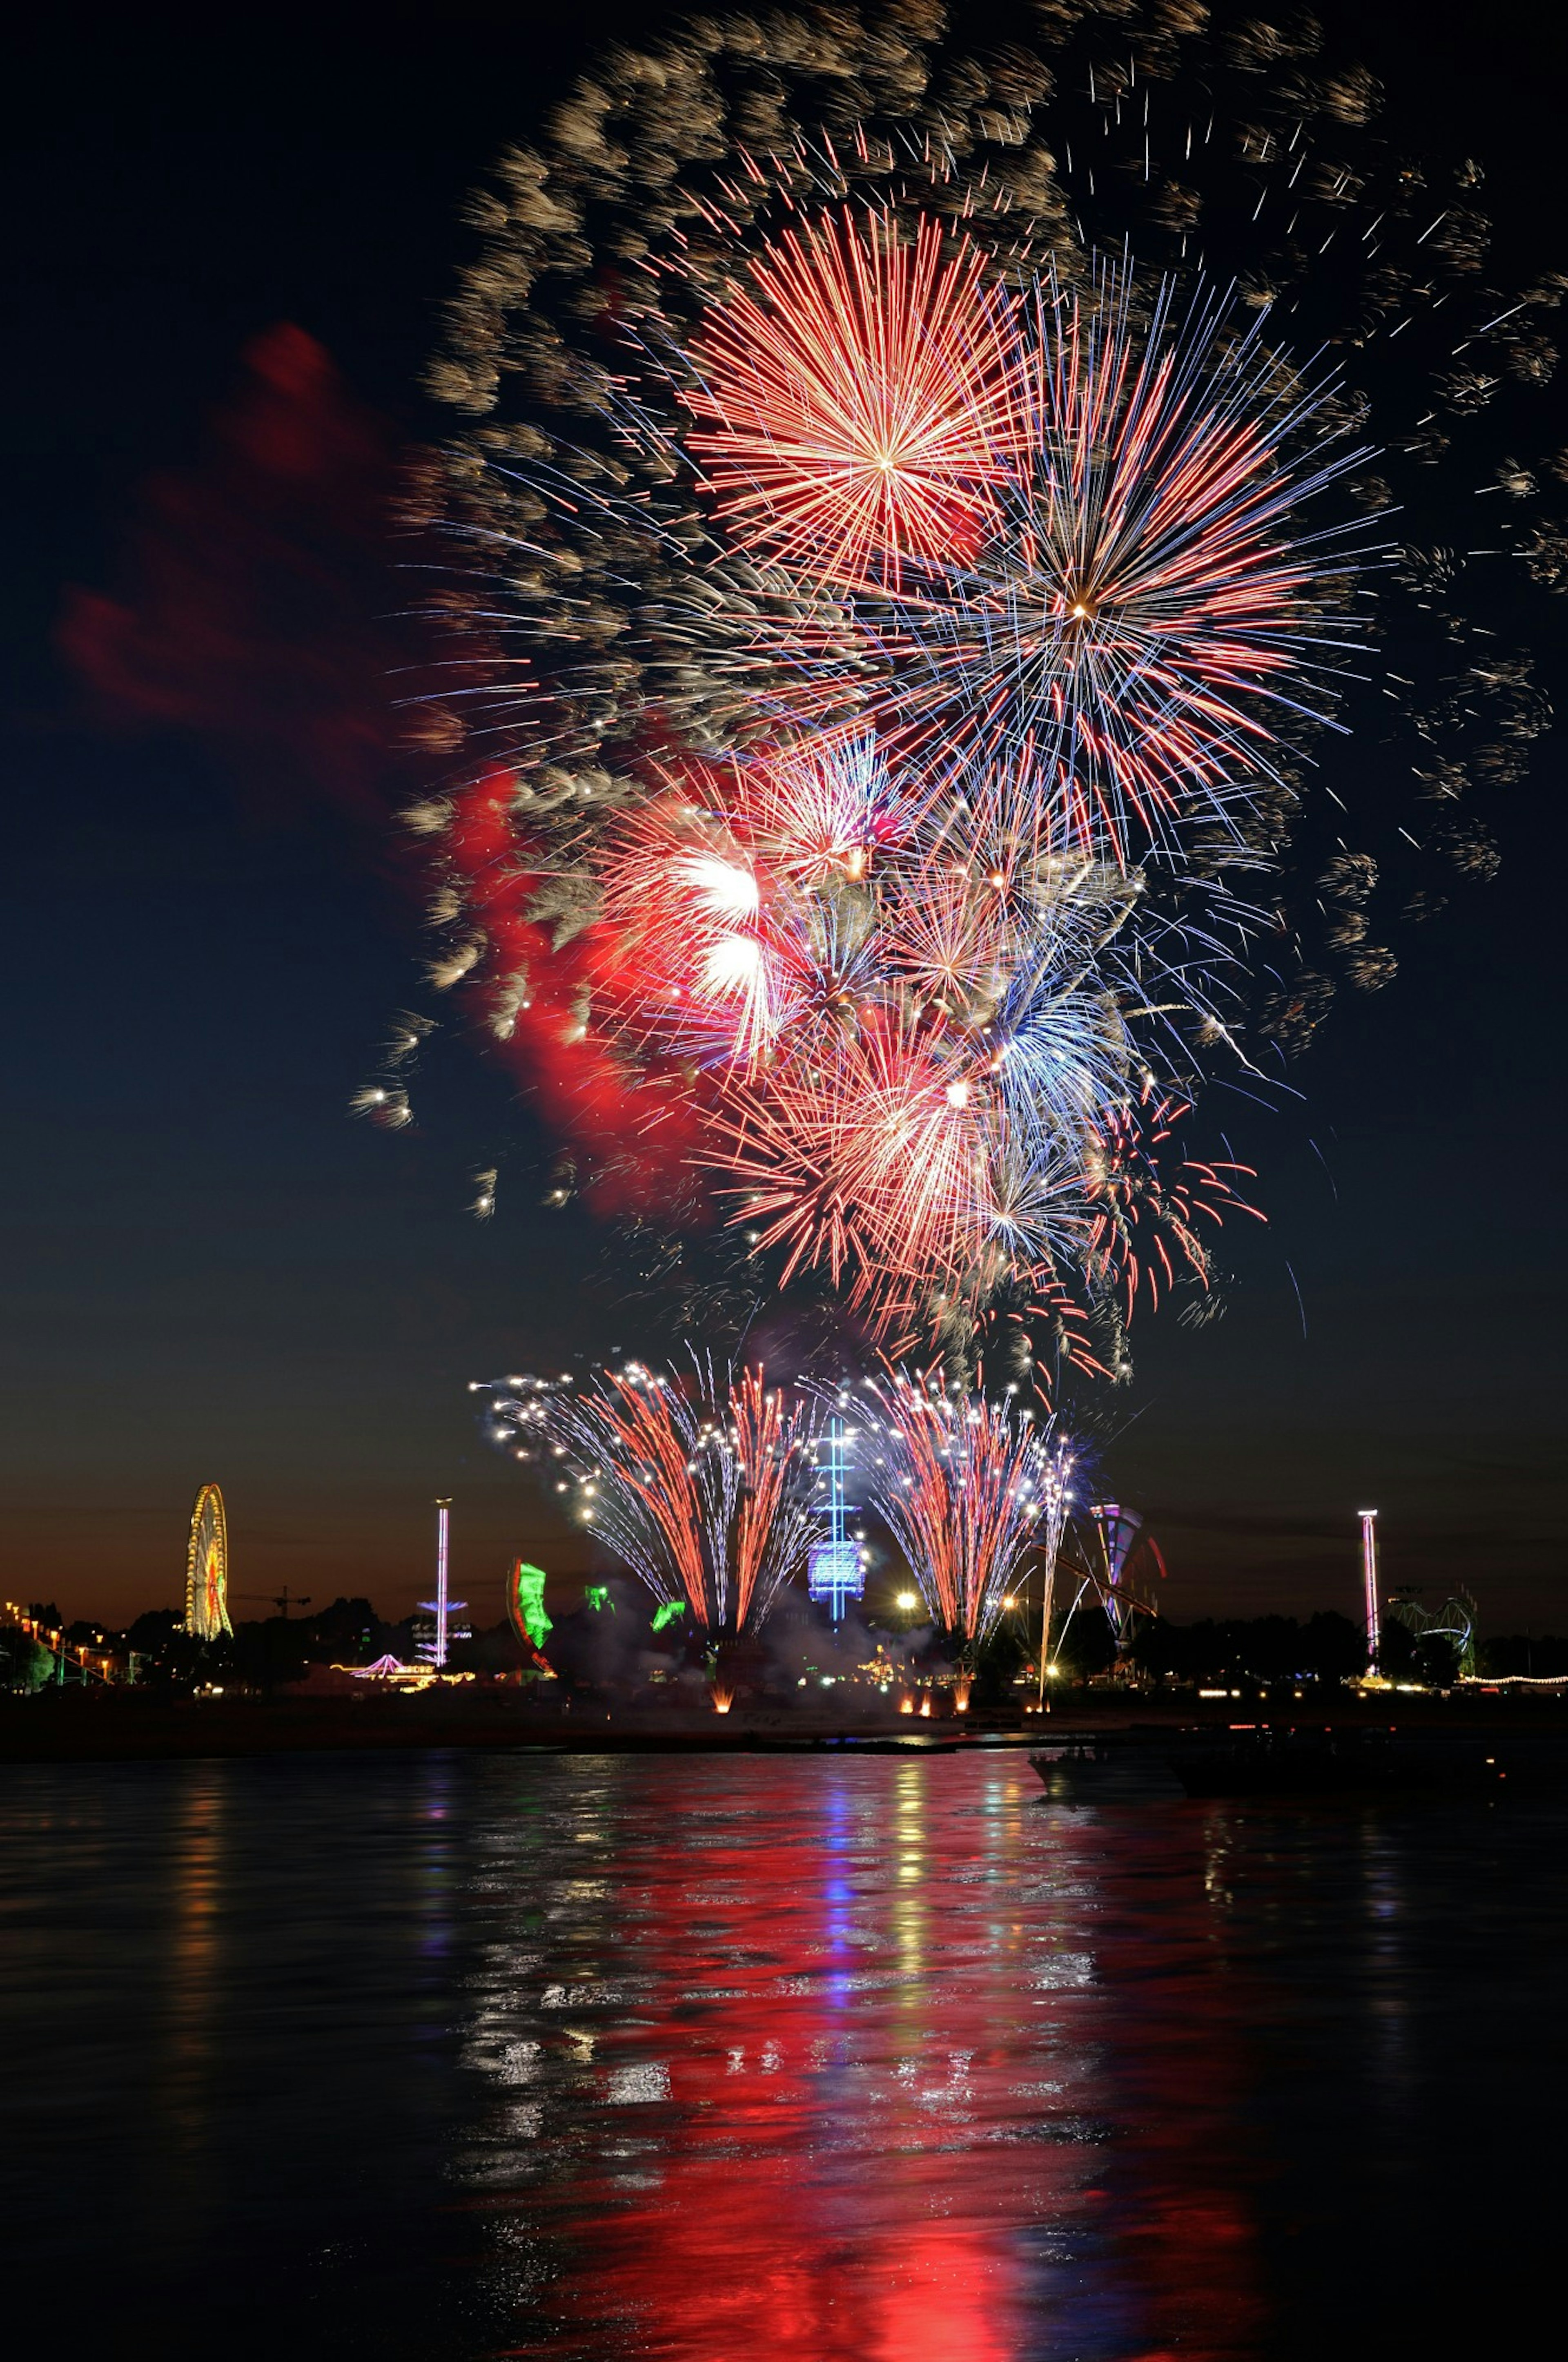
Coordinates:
x,y
810,2057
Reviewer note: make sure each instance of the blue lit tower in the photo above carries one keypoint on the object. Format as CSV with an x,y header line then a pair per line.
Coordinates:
x,y
833,1570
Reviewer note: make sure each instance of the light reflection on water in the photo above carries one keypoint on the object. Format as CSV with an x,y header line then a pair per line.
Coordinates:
x,y
703,2058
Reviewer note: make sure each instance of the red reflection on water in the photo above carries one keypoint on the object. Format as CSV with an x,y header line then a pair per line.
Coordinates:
x,y
903,2073
737,2264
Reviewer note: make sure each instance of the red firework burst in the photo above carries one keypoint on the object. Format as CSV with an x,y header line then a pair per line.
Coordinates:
x,y
857,400
682,951
868,1163
720,941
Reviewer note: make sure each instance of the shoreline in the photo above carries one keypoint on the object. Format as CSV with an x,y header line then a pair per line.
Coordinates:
x,y
132,1727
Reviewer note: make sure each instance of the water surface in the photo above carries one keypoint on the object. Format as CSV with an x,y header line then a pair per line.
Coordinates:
x,y
706,2059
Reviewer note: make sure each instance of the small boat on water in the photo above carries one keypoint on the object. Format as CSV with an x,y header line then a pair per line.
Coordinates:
x,y
1097,1771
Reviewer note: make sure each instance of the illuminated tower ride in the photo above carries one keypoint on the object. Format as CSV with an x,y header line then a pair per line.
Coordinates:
x,y
833,1571
1057,1498
207,1568
1369,1578
443,1608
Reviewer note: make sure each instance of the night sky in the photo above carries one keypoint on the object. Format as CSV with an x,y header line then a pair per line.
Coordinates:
x,y
210,919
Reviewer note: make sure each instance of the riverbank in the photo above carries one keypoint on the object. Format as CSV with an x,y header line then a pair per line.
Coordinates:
x,y
76,1725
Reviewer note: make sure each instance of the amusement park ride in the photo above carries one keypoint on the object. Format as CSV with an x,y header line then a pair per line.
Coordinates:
x,y
207,1568
1453,1622
1127,1561
433,1647
1114,1563
835,1570
1105,1551
1369,1586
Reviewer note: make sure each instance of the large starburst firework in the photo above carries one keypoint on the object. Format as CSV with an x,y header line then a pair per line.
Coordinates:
x,y
1151,585
860,399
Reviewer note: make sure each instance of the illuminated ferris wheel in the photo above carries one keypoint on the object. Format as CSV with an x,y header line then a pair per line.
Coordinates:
x,y
207,1568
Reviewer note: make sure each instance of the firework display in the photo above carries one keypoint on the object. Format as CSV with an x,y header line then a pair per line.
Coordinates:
x,y
859,397
961,1483
922,518
1148,594
704,1489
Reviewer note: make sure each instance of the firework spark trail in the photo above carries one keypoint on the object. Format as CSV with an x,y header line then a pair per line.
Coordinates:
x,y
1143,1204
960,1483
705,1491
773,1523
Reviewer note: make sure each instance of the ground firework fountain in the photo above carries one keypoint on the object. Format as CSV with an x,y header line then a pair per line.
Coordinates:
x,y
703,1485
962,1484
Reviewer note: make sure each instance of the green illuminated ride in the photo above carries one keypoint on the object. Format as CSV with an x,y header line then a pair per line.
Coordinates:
x,y
525,1605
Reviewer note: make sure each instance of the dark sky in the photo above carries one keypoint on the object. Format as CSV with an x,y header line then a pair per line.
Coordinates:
x,y
213,1272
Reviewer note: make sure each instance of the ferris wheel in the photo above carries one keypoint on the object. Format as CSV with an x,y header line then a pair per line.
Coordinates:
x,y
207,1568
